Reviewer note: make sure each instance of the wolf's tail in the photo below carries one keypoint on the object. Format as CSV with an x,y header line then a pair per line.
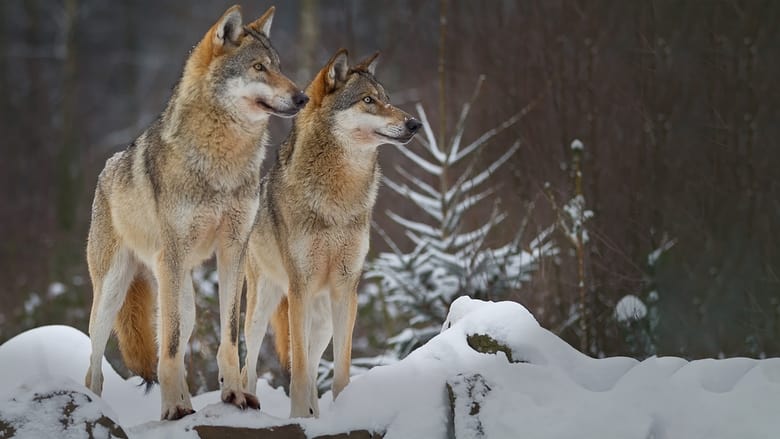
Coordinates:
x,y
134,328
281,324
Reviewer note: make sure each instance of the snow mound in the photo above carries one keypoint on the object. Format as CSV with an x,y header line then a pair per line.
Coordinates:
x,y
492,372
550,390
56,351
57,408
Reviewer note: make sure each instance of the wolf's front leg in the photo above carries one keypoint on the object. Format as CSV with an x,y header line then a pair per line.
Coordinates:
x,y
320,333
344,311
230,263
176,319
301,386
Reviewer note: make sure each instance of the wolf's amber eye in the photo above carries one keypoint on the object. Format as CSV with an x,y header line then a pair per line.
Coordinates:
x,y
368,100
259,67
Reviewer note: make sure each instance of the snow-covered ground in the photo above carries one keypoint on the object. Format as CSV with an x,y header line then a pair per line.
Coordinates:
x,y
549,390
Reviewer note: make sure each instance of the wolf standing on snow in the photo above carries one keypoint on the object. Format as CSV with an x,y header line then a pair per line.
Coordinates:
x,y
311,233
186,188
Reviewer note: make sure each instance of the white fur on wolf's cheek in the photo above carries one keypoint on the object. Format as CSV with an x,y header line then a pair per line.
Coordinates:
x,y
358,128
239,90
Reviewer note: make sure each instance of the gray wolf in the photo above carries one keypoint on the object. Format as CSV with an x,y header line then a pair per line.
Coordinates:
x,y
183,190
311,233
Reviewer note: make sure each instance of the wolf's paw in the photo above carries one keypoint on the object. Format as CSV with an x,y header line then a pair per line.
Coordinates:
x,y
176,412
240,399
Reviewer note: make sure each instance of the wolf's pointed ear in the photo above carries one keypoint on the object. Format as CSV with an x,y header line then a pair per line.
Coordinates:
x,y
368,64
263,24
337,69
228,29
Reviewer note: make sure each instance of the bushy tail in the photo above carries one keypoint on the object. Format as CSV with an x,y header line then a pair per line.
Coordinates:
x,y
281,324
134,328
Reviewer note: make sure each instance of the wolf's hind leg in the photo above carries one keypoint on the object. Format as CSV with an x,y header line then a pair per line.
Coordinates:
x,y
110,292
262,299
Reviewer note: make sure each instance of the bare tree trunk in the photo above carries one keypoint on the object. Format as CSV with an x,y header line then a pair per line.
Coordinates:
x,y
67,188
443,178
310,34
579,247
596,287
349,25
130,65
5,106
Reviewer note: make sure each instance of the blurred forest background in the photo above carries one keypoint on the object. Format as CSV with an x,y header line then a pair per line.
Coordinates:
x,y
674,200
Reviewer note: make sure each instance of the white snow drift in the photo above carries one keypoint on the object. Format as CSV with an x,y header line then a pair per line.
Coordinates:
x,y
553,391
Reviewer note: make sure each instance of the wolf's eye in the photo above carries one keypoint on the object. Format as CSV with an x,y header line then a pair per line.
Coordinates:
x,y
259,67
368,100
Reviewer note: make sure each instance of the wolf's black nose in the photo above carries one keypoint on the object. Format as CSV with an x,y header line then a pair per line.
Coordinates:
x,y
413,125
300,99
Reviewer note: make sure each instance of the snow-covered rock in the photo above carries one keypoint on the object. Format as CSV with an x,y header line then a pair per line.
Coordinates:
x,y
61,351
517,379
467,393
57,408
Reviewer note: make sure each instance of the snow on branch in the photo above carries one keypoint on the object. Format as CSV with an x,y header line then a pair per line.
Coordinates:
x,y
425,164
427,204
460,127
480,178
433,146
418,227
417,182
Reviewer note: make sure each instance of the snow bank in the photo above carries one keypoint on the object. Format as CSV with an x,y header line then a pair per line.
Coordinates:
x,y
57,407
548,390
61,351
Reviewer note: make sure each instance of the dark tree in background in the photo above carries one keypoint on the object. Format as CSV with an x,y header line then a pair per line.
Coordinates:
x,y
675,102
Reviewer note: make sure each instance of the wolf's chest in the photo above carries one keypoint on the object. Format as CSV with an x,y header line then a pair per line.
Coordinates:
x,y
331,255
209,219
334,207
224,177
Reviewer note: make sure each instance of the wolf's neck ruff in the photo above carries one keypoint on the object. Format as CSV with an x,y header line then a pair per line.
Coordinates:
x,y
220,143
